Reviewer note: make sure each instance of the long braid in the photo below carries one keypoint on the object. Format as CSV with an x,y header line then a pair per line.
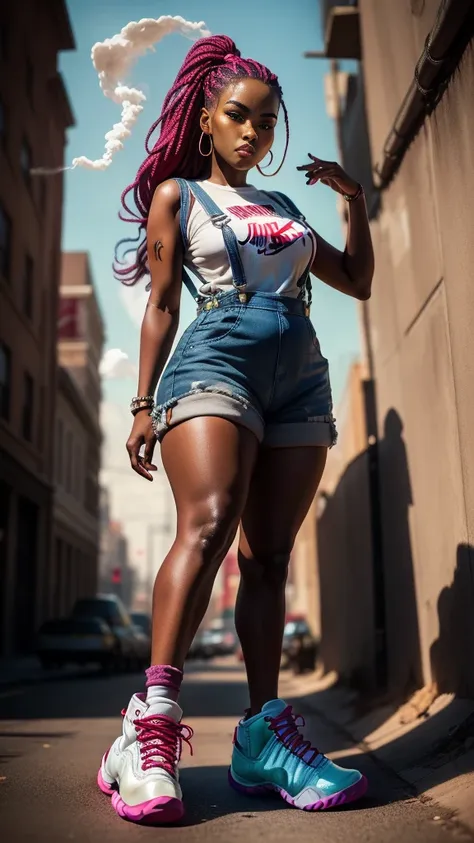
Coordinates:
x,y
210,65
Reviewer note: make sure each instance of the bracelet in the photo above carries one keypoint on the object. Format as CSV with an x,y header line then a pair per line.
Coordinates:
x,y
139,402
140,407
356,195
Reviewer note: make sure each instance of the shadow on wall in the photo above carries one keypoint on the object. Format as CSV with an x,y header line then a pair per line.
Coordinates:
x,y
452,654
402,628
344,555
346,570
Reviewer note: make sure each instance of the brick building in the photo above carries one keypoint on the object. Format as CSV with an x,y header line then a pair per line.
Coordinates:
x,y
34,116
78,438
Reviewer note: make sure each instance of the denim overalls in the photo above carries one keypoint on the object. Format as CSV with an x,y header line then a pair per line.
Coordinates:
x,y
249,357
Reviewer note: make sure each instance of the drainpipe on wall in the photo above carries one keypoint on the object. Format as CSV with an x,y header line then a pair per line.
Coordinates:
x,y
444,46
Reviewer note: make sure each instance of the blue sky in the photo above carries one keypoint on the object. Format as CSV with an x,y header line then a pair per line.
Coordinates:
x,y
276,32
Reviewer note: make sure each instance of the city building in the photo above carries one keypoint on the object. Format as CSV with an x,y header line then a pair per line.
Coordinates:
x,y
34,116
116,575
78,438
405,122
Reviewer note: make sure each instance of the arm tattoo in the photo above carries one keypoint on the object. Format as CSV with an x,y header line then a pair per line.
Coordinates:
x,y
157,249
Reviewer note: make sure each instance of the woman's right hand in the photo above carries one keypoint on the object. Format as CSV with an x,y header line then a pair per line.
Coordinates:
x,y
142,433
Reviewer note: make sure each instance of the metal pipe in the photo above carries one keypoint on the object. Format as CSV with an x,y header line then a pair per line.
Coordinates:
x,y
444,46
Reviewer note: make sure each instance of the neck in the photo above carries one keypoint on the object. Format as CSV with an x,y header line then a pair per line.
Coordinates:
x,y
222,173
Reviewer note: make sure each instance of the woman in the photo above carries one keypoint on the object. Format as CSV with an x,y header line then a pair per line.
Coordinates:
x,y
243,414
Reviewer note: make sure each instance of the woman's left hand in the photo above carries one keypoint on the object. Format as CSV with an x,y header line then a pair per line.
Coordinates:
x,y
330,173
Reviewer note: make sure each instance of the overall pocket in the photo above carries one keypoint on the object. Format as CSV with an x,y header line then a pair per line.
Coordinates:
x,y
217,325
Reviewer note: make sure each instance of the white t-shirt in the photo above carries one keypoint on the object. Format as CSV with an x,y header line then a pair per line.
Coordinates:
x,y
275,250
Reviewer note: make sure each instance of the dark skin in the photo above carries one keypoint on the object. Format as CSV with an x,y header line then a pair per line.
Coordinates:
x,y
220,477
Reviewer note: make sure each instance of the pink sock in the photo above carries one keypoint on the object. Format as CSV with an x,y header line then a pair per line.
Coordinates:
x,y
163,680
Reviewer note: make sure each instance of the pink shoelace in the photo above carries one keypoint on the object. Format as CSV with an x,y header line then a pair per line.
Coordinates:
x,y
161,741
285,725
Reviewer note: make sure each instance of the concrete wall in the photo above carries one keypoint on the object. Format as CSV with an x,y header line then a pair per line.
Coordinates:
x,y
344,546
421,327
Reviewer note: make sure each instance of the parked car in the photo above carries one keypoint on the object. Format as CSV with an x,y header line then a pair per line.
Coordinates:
x,y
130,642
209,643
225,641
203,645
142,620
77,641
300,647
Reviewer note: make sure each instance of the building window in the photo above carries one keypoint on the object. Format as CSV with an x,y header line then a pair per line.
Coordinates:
x,y
28,407
5,380
28,289
26,161
30,81
5,243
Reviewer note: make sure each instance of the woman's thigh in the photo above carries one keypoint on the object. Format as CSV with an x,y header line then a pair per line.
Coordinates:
x,y
209,462
282,487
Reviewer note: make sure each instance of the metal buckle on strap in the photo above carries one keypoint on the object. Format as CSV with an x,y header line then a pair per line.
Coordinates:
x,y
210,304
220,220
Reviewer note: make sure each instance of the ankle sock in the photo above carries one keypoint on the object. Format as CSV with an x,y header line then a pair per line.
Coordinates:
x,y
163,681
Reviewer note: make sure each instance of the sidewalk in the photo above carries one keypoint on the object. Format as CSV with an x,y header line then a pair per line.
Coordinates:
x,y
433,754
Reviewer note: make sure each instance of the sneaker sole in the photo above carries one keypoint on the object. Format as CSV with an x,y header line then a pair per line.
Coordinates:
x,y
159,811
342,797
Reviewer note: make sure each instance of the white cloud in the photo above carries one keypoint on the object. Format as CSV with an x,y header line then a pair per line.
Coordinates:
x,y
116,364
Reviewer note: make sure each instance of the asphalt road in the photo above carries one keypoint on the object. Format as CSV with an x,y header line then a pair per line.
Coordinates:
x,y
53,734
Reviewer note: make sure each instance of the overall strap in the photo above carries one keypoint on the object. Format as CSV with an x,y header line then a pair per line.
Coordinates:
x,y
221,220
183,224
304,282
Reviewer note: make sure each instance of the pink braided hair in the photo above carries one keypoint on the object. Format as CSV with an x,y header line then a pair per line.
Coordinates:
x,y
210,65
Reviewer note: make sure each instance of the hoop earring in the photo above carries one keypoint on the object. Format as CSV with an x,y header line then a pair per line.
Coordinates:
x,y
269,175
266,165
206,154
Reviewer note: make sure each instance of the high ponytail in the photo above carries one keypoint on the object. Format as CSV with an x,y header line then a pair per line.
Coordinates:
x,y
210,65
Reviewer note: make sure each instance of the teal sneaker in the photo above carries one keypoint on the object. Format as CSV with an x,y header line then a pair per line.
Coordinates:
x,y
271,754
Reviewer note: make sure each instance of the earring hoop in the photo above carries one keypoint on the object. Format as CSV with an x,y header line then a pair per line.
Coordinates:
x,y
269,175
206,154
266,165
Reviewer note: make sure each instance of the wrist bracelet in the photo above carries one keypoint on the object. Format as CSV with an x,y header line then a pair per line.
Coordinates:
x,y
356,195
140,402
137,398
140,407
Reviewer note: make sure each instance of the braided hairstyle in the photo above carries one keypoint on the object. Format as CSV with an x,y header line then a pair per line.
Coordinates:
x,y
210,65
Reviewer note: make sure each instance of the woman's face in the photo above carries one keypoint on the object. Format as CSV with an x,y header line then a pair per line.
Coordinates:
x,y
242,124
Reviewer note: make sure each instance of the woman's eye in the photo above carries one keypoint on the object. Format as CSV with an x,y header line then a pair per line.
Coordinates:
x,y
266,126
234,115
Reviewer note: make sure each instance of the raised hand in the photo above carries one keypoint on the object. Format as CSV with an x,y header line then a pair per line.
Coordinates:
x,y
329,173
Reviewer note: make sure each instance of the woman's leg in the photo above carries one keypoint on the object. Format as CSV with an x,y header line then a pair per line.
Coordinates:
x,y
209,462
282,488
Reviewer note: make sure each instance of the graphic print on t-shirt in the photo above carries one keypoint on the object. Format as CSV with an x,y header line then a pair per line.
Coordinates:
x,y
269,238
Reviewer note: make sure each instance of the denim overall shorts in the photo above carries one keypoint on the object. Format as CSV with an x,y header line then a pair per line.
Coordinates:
x,y
252,358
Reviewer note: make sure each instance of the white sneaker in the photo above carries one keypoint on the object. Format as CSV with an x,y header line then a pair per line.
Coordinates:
x,y
140,770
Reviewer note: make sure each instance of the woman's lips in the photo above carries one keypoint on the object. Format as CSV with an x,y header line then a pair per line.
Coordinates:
x,y
245,152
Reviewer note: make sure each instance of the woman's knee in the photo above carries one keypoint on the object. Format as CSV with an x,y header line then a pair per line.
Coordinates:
x,y
266,565
210,528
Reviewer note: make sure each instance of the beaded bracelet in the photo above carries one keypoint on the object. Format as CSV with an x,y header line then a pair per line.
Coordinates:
x,y
140,402
350,198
